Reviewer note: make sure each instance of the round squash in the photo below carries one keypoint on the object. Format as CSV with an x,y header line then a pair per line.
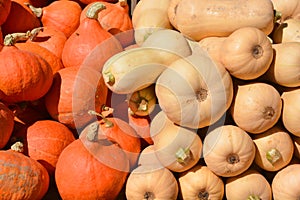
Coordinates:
x,y
6,124
254,112
228,150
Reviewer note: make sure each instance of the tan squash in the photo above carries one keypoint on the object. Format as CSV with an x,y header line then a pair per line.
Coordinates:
x,y
213,46
246,53
274,149
201,183
144,182
228,150
148,157
285,68
177,148
194,91
250,185
200,19
287,31
287,8
285,184
290,110
256,107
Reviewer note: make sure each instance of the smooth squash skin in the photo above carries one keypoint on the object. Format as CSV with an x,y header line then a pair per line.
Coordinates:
x,y
200,19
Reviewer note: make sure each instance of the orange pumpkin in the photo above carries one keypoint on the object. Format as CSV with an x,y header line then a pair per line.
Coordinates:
x,y
6,124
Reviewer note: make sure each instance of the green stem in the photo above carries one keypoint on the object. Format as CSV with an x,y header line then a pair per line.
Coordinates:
x,y
94,9
182,155
273,155
253,197
13,38
109,78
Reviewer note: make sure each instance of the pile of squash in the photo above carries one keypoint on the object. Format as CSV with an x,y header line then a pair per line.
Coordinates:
x,y
149,99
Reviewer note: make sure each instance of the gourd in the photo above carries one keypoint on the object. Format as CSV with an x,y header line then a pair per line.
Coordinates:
x,y
254,112
200,182
6,124
250,185
246,58
228,150
274,149
198,20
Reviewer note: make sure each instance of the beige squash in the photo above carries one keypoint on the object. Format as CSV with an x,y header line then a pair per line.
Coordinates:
x,y
285,184
285,68
201,183
200,19
274,149
250,185
194,91
246,53
228,150
287,31
256,107
144,182
290,110
177,148
148,157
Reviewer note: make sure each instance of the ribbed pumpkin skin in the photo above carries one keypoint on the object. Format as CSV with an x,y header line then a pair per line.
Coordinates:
x,y
54,62
79,175
21,177
6,124
5,6
44,141
24,76
19,19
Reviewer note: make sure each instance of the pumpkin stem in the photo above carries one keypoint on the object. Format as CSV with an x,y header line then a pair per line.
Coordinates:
x,y
108,123
38,12
18,147
148,196
92,132
257,51
94,9
109,78
268,113
253,197
13,38
277,15
233,159
273,155
123,3
182,155
203,195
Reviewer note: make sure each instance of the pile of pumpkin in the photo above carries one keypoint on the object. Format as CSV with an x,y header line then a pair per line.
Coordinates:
x,y
155,99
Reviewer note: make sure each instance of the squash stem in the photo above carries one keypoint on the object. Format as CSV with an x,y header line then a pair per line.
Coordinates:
x,y
109,78
182,155
277,15
18,147
203,195
38,12
273,155
94,9
123,3
108,123
253,197
92,132
148,196
13,38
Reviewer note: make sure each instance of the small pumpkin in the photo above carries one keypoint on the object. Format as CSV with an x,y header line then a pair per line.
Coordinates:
x,y
285,183
5,6
6,124
287,31
290,110
274,149
85,38
22,177
254,112
228,157
200,182
247,58
61,15
144,182
28,77
249,185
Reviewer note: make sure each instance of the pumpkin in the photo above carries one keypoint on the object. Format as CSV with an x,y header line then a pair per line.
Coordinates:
x,y
213,46
194,91
290,10
287,31
85,38
296,141
19,19
228,150
200,182
61,15
290,110
254,112
81,174
44,141
284,69
176,147
22,177
248,185
285,183
116,131
75,91
144,182
214,18
6,124
274,149
148,157
25,76
5,6
51,39
246,58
